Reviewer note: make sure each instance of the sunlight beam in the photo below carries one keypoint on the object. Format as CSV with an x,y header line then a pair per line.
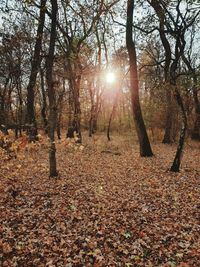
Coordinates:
x,y
110,77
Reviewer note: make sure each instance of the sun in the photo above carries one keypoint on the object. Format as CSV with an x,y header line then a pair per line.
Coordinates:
x,y
110,77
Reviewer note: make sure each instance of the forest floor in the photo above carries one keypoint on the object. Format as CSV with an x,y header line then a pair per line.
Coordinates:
x,y
107,207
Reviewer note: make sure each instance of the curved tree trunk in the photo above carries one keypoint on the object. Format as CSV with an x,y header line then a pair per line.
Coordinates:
x,y
177,160
168,135
171,69
145,147
196,130
180,45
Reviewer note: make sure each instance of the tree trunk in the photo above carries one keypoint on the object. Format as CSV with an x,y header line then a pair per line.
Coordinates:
x,y
169,118
91,121
109,125
112,115
171,69
168,136
96,90
75,80
58,126
70,130
31,120
92,110
51,92
44,102
196,129
145,147
3,92
177,160
59,110
20,109
77,105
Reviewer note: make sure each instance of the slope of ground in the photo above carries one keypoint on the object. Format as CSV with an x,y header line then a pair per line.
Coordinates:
x,y
108,207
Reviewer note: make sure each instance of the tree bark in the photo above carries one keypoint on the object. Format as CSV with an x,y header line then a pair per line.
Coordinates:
x,y
169,118
177,160
58,130
44,102
59,110
179,50
168,135
92,110
112,114
171,69
31,120
77,112
51,92
196,129
74,125
70,130
145,147
3,92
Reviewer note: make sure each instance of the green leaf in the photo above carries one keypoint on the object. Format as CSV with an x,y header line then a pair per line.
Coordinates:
x,y
127,235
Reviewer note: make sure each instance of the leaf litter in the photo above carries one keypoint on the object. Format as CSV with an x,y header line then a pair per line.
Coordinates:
x,y
105,208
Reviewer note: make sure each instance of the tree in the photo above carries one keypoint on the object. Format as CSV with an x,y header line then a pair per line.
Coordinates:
x,y
169,114
35,64
51,91
44,102
145,147
112,114
14,68
176,25
196,129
